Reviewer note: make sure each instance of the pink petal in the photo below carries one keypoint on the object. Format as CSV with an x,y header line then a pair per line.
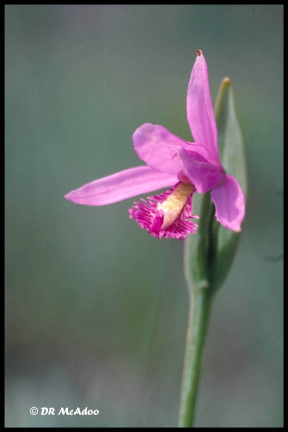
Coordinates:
x,y
201,173
121,185
229,201
200,112
157,147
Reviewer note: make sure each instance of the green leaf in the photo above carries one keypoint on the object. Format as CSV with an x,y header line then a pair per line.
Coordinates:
x,y
232,156
194,250
230,142
210,253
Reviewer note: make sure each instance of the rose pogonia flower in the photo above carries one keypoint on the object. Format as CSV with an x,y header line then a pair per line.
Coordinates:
x,y
188,167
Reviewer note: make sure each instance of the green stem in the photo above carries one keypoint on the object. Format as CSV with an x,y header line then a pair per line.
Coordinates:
x,y
200,302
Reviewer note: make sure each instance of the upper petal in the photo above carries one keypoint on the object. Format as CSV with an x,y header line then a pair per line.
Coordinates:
x,y
200,112
229,201
158,147
121,185
199,171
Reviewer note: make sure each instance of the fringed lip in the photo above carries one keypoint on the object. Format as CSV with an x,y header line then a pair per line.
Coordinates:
x,y
150,214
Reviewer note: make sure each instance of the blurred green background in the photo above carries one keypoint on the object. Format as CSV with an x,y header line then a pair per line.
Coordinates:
x,y
96,309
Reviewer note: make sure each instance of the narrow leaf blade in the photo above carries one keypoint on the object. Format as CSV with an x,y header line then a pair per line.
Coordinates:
x,y
231,148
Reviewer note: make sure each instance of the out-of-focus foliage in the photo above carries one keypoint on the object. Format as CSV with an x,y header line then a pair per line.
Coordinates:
x,y
96,309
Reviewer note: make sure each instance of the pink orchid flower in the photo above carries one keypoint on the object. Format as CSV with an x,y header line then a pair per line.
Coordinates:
x,y
188,167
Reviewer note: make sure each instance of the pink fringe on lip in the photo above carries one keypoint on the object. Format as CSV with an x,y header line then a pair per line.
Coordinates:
x,y
149,217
